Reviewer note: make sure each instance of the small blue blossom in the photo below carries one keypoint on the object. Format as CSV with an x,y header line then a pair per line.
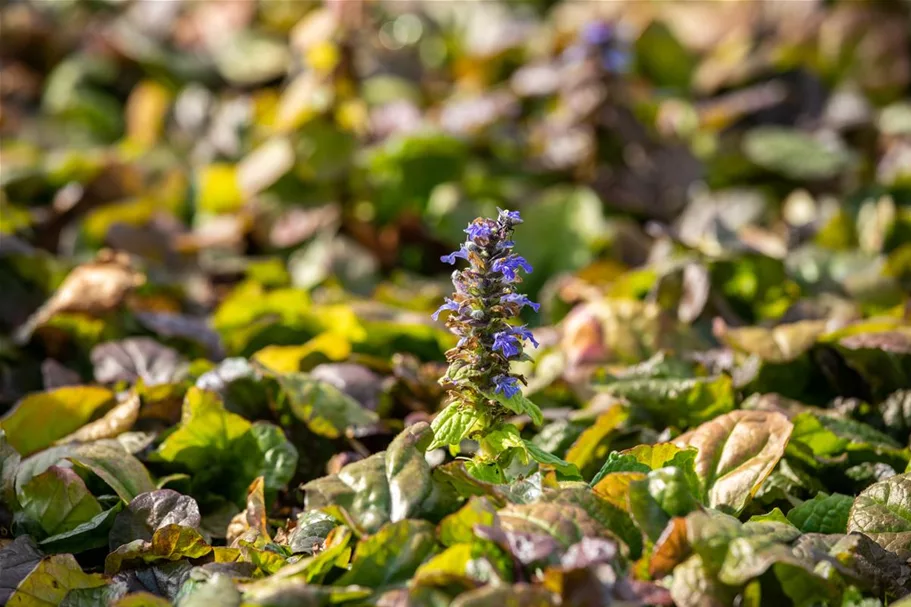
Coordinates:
x,y
449,305
506,343
598,33
509,265
615,60
506,385
521,300
506,216
505,244
523,333
477,231
462,253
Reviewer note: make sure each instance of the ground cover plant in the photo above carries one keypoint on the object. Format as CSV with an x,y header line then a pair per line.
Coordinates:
x,y
667,363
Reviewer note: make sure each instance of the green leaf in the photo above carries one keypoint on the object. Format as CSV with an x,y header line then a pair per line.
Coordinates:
x,y
663,58
663,494
822,514
407,472
40,419
455,423
485,471
225,450
392,555
737,451
676,402
645,458
313,527
51,580
120,470
566,470
168,543
793,153
774,516
500,439
206,431
58,501
750,557
519,405
883,512
275,458
325,409
619,461
393,483
87,536
458,526
360,488
695,585
335,553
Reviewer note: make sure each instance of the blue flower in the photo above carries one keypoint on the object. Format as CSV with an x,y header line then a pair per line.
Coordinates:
x,y
521,300
451,258
523,333
506,343
508,266
449,305
507,385
507,216
598,33
615,60
477,231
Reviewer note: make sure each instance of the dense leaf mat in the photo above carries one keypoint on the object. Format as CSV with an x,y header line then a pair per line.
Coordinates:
x,y
221,225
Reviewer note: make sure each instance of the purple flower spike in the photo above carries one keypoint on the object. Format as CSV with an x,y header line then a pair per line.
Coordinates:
x,y
506,343
481,313
449,305
508,266
521,300
451,258
506,385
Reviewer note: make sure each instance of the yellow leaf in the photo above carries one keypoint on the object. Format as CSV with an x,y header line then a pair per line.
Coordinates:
x,y
592,446
615,487
218,189
288,359
146,110
40,419
116,421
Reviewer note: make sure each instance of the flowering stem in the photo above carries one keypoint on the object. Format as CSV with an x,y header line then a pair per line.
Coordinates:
x,y
482,388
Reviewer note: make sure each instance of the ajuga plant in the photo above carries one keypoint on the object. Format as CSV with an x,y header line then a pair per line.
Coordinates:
x,y
483,391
